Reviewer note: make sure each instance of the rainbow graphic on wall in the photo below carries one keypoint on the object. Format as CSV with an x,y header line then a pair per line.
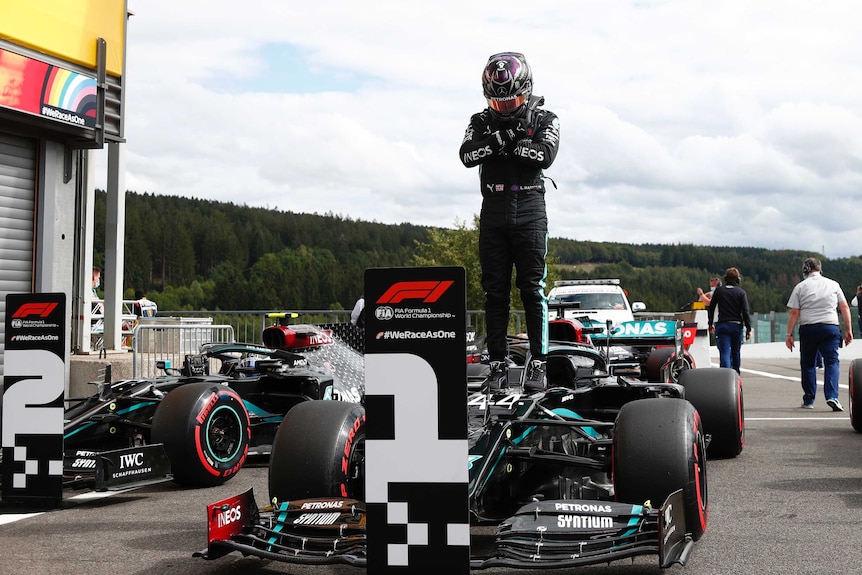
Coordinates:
x,y
71,95
49,91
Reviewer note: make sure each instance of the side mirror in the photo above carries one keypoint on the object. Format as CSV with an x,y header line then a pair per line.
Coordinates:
x,y
638,306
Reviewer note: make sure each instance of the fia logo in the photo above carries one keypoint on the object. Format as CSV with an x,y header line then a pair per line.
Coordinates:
x,y
384,313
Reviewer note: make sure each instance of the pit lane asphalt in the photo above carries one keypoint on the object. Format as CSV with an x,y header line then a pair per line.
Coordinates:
x,y
791,503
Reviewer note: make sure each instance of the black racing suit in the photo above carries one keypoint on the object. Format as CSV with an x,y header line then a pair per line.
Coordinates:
x,y
513,224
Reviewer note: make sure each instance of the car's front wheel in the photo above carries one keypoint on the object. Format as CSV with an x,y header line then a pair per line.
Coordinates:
x,y
319,451
659,448
205,431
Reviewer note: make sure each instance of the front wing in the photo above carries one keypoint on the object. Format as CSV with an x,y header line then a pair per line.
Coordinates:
x,y
572,533
118,468
547,534
311,531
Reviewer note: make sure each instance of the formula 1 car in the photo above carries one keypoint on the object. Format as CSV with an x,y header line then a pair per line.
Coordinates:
x,y
652,350
596,467
197,424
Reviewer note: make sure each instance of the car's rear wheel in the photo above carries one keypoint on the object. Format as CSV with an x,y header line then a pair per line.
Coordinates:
x,y
856,394
205,431
658,449
319,451
716,393
663,365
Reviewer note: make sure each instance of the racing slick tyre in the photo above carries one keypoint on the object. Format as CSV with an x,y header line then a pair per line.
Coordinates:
x,y
319,451
716,393
856,394
659,447
662,365
205,431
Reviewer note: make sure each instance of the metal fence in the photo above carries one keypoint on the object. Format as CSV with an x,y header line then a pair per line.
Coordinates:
x,y
248,325
168,340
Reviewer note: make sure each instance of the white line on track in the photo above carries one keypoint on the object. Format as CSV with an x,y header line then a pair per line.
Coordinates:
x,y
767,374
788,378
777,376
842,420
6,518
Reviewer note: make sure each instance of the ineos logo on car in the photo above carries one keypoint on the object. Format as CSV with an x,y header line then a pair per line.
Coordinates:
x,y
231,515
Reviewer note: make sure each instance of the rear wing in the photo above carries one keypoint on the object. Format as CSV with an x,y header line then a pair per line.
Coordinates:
x,y
661,332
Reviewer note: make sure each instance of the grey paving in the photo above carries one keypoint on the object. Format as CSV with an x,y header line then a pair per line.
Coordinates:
x,y
791,504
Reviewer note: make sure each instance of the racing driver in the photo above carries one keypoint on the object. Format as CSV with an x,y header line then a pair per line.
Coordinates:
x,y
512,141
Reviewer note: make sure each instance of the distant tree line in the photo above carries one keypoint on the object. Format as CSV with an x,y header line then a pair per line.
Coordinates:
x,y
665,277
192,254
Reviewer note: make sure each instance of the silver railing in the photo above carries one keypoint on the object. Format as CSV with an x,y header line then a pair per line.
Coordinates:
x,y
248,325
170,340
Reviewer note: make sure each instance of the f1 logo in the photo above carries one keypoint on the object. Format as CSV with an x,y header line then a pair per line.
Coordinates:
x,y
427,291
40,309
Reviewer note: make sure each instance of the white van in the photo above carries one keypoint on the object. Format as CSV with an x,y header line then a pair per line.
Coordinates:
x,y
600,300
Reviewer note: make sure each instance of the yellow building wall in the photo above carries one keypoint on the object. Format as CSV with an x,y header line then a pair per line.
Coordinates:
x,y
67,29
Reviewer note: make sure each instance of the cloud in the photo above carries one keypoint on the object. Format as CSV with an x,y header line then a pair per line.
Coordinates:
x,y
732,123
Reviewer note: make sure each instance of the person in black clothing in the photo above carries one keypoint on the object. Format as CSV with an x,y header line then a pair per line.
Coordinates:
x,y
857,302
512,141
733,313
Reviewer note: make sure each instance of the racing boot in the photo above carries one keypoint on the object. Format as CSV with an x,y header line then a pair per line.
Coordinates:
x,y
537,378
498,376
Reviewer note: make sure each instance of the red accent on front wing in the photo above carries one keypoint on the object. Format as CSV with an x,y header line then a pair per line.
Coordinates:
x,y
229,516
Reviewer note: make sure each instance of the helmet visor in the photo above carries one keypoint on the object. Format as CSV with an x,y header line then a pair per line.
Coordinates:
x,y
507,105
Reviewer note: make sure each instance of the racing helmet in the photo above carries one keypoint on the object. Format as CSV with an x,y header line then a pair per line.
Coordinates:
x,y
507,82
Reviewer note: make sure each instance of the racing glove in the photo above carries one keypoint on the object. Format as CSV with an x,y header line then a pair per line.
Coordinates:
x,y
505,136
522,128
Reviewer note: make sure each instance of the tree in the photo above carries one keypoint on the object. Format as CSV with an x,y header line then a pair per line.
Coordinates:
x,y
460,247
456,247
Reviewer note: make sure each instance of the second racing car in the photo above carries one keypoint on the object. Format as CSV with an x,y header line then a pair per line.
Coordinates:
x,y
199,422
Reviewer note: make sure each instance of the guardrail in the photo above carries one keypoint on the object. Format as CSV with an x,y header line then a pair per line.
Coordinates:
x,y
249,324
171,342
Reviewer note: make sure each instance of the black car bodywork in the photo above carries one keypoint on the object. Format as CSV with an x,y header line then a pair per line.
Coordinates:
x,y
197,424
595,468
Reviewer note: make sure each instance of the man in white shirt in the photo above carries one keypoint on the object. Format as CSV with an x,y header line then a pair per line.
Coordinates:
x,y
814,304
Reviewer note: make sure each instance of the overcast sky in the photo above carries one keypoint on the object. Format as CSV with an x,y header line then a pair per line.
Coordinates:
x,y
731,123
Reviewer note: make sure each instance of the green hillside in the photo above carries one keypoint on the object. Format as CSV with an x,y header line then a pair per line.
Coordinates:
x,y
191,254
